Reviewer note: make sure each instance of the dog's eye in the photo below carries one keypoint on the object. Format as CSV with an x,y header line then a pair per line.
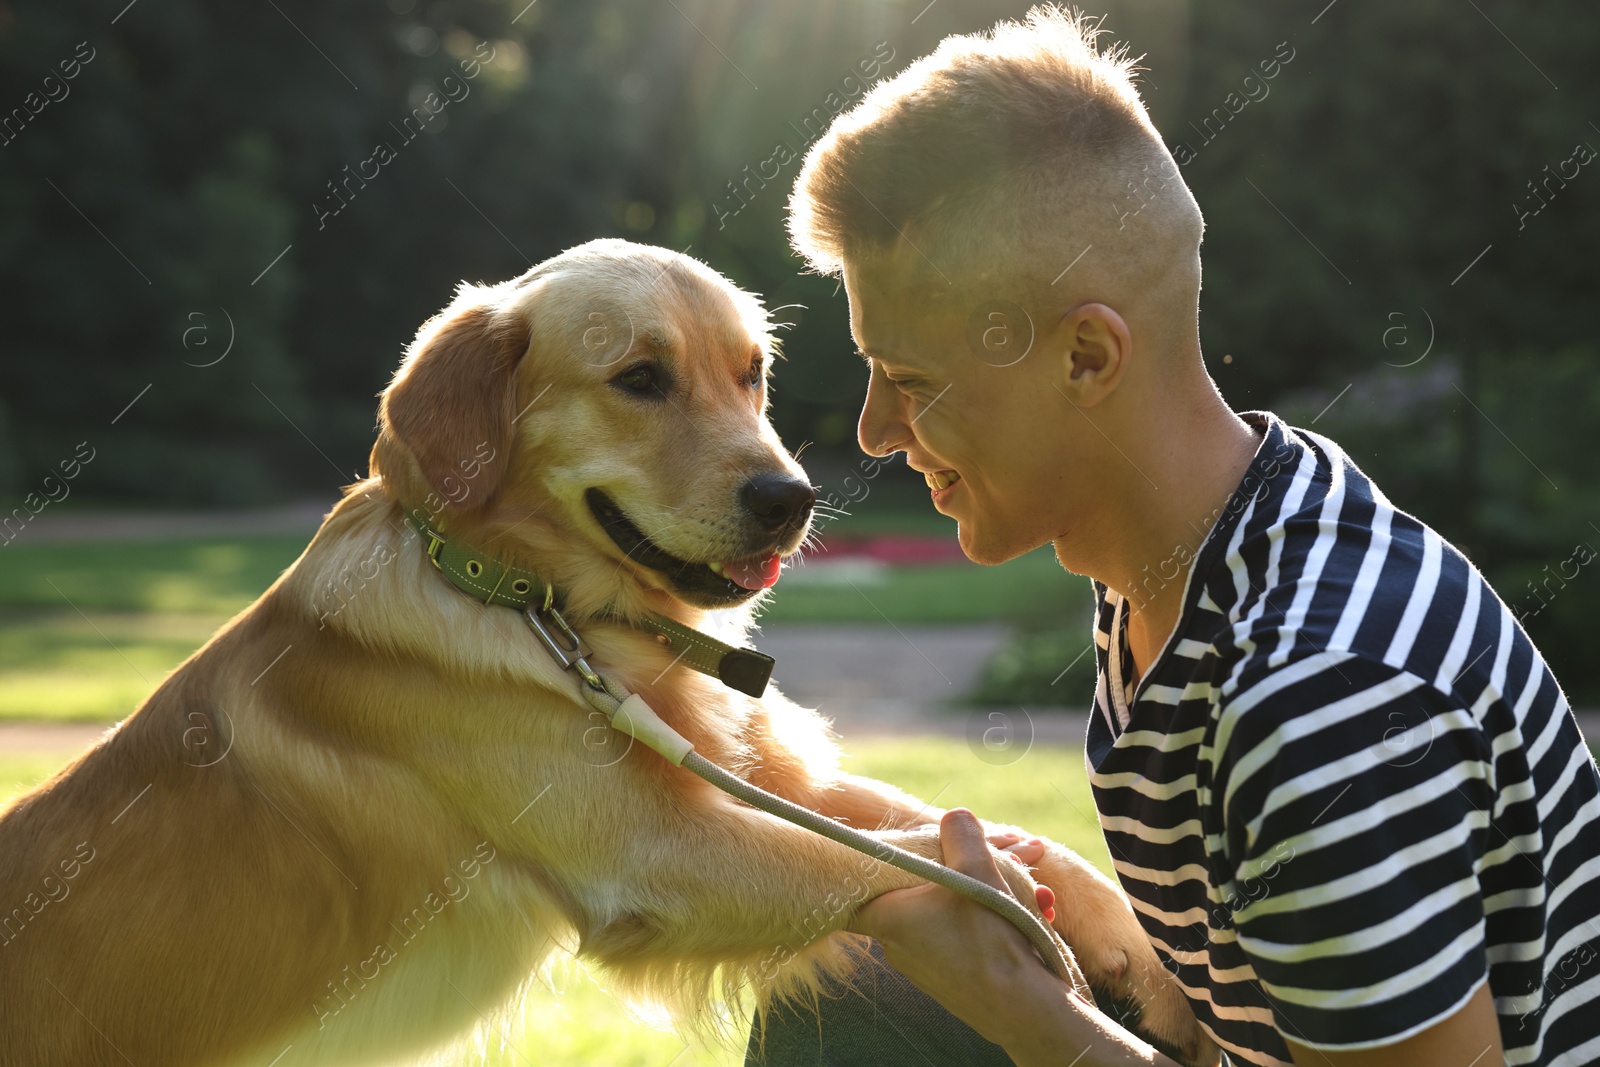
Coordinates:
x,y
642,378
754,377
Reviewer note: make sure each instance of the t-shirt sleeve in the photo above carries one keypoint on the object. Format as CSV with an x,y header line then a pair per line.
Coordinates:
x,y
1354,801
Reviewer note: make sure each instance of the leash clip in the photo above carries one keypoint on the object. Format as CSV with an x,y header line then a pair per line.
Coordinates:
x,y
561,641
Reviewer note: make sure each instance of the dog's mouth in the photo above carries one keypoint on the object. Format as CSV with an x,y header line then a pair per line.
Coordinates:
x,y
719,582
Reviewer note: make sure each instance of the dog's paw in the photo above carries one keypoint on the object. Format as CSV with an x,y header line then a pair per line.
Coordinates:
x,y
1094,917
1161,1013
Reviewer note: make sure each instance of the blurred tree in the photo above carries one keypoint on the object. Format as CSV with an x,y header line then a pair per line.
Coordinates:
x,y
1397,192
209,162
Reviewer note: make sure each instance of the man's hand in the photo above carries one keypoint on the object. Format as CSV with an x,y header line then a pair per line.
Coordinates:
x,y
954,949
983,970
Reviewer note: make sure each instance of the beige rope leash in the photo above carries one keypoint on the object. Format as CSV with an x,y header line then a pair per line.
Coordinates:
x,y
629,714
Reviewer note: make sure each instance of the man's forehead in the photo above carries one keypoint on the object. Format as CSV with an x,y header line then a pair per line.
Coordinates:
x,y
901,270
903,316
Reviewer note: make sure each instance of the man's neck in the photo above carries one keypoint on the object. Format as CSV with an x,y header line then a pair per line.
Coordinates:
x,y
1152,531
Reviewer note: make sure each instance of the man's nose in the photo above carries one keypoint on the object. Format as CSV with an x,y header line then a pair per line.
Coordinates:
x,y
880,425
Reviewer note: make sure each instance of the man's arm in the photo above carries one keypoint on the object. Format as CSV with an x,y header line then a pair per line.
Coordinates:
x,y
984,971
1469,1038
1354,803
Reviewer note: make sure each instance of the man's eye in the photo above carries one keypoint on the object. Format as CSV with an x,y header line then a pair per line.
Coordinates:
x,y
641,379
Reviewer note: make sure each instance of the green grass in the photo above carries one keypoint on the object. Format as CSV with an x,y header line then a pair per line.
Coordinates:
x,y
87,631
1025,588
91,667
211,577
1045,791
21,771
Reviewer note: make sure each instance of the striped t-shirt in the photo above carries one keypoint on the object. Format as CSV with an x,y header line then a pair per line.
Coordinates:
x,y
1349,787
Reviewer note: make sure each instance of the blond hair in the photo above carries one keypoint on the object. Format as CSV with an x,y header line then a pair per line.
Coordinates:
x,y
1004,153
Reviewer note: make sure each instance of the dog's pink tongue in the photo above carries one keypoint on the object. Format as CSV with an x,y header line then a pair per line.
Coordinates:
x,y
753,573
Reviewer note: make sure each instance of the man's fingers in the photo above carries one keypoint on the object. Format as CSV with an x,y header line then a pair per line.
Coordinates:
x,y
965,847
1045,897
1030,852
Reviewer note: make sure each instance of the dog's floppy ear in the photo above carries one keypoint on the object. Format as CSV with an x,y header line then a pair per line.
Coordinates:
x,y
445,422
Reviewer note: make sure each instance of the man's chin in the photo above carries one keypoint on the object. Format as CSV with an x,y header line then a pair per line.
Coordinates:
x,y
980,549
990,544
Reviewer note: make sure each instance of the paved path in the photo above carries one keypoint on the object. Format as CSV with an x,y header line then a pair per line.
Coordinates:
x,y
855,663
61,528
874,680
50,737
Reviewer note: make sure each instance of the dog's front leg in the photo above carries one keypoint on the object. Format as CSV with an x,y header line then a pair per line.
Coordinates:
x,y
867,804
737,886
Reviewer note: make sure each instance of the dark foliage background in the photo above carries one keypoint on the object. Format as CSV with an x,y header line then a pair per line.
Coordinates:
x,y
1372,240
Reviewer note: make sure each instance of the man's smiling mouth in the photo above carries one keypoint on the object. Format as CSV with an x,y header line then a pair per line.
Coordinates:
x,y
941,479
722,581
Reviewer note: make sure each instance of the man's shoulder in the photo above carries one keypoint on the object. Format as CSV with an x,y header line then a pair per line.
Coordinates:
x,y
1337,567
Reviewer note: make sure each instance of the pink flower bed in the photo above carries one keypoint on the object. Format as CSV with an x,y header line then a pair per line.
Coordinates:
x,y
899,550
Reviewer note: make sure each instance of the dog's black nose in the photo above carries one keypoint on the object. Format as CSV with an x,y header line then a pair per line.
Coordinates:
x,y
778,500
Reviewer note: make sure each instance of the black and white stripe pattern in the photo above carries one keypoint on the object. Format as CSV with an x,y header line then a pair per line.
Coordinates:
x,y
1349,788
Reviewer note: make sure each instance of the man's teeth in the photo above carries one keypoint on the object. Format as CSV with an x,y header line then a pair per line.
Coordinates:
x,y
941,479
717,568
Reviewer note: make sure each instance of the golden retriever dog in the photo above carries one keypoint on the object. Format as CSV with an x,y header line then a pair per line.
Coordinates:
x,y
354,825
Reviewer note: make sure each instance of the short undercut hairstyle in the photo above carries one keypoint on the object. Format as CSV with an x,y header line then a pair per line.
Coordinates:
x,y
1005,152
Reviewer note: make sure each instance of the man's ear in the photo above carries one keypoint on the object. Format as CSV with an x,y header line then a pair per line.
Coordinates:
x,y
1095,345
445,421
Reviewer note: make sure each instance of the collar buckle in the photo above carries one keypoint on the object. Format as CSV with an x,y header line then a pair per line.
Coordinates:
x,y
435,542
561,641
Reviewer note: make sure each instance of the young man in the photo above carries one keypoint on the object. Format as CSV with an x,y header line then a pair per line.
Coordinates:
x,y
1346,796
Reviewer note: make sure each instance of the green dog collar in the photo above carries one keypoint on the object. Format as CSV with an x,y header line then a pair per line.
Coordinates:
x,y
496,584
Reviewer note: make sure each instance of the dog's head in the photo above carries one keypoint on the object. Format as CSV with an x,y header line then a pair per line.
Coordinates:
x,y
610,404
